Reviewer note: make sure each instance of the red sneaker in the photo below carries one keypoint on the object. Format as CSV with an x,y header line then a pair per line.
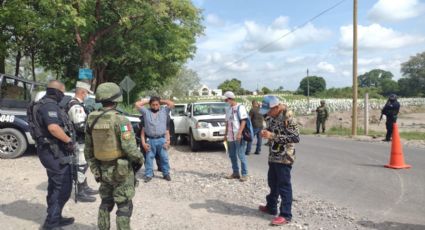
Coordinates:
x,y
280,220
266,210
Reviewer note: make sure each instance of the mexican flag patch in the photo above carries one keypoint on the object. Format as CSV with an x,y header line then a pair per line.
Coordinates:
x,y
125,128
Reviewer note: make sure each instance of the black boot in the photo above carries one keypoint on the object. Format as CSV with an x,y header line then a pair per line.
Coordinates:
x,y
83,196
88,190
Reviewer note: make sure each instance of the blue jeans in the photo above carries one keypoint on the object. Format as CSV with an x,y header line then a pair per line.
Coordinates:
x,y
157,148
257,133
279,180
237,149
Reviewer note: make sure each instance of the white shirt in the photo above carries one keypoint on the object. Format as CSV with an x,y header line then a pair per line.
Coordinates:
x,y
233,122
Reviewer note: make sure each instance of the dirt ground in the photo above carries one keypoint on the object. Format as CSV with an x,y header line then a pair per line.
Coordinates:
x,y
198,197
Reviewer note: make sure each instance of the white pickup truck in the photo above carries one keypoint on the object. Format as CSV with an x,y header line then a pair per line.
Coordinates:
x,y
200,121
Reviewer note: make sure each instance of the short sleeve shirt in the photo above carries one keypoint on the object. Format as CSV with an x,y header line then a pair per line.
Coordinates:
x,y
155,124
234,120
49,114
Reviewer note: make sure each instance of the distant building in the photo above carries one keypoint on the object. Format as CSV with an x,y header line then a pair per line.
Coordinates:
x,y
205,91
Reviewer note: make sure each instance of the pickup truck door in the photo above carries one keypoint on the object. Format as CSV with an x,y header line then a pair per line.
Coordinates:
x,y
179,119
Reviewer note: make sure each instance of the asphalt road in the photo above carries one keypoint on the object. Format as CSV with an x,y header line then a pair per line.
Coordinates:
x,y
351,174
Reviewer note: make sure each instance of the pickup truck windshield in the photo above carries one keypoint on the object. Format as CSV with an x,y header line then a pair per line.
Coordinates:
x,y
210,108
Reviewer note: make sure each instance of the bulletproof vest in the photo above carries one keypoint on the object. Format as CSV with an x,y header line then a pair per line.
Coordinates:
x,y
106,145
36,124
79,128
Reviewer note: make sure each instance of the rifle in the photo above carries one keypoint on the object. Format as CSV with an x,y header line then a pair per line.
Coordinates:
x,y
380,119
73,163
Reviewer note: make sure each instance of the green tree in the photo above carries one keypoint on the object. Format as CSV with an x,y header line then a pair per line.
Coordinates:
x,y
374,78
233,85
413,83
279,90
179,85
266,90
388,87
316,85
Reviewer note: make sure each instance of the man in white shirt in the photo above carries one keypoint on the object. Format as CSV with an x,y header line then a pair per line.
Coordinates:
x,y
78,116
236,117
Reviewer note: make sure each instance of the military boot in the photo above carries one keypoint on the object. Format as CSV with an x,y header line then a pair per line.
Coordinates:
x,y
83,196
88,190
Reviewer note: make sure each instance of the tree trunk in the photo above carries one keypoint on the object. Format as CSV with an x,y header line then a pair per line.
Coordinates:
x,y
33,67
18,62
2,63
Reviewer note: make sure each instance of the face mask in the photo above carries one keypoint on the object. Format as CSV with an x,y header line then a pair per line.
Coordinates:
x,y
86,97
57,94
154,110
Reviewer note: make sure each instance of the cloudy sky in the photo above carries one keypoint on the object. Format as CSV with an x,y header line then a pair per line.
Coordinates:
x,y
237,32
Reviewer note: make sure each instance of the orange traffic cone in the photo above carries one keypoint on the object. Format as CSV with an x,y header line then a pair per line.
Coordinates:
x,y
397,159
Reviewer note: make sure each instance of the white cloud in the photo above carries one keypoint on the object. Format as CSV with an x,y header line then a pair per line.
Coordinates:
x,y
240,66
214,20
278,35
325,66
368,61
393,11
375,37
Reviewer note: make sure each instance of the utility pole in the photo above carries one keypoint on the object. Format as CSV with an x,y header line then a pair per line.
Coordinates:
x,y
354,116
308,91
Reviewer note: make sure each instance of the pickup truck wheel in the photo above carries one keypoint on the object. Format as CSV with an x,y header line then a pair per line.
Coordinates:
x,y
194,145
12,143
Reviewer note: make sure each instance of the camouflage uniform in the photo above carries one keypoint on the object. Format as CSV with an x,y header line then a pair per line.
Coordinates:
x,y
322,116
111,158
282,148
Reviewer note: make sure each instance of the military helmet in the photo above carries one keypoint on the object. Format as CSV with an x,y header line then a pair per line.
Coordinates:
x,y
108,92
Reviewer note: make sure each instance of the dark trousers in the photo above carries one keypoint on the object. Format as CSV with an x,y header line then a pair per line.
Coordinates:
x,y
59,184
320,122
257,133
279,180
389,125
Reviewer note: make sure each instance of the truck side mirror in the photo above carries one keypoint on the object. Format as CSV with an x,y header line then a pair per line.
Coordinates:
x,y
188,114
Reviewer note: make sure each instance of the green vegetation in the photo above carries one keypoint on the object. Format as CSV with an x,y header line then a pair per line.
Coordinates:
x,y
149,41
312,85
413,135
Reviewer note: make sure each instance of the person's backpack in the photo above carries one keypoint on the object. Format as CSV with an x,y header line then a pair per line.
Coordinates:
x,y
248,131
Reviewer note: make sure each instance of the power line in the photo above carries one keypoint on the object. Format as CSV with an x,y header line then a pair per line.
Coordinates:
x,y
281,37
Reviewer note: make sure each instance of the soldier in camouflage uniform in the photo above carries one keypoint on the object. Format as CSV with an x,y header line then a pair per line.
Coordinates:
x,y
282,131
111,151
322,116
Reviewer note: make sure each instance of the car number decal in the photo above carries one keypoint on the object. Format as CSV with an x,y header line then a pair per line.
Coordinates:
x,y
7,118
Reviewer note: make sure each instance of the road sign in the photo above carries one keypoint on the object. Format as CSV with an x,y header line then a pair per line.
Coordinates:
x,y
85,74
127,85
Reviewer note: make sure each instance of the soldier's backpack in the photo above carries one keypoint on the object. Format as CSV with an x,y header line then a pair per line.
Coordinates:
x,y
248,131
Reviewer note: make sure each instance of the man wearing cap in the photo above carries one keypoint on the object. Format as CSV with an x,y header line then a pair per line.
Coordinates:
x,y
236,116
78,116
282,131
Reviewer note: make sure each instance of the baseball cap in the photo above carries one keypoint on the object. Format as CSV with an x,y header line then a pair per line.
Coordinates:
x,y
268,103
84,85
229,95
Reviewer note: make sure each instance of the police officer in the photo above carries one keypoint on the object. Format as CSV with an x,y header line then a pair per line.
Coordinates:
x,y
50,126
322,116
77,114
390,110
111,151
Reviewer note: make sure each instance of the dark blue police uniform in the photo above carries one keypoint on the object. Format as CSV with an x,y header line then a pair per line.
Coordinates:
x,y
50,151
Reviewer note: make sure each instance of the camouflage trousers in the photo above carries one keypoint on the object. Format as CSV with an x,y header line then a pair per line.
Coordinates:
x,y
115,191
320,122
